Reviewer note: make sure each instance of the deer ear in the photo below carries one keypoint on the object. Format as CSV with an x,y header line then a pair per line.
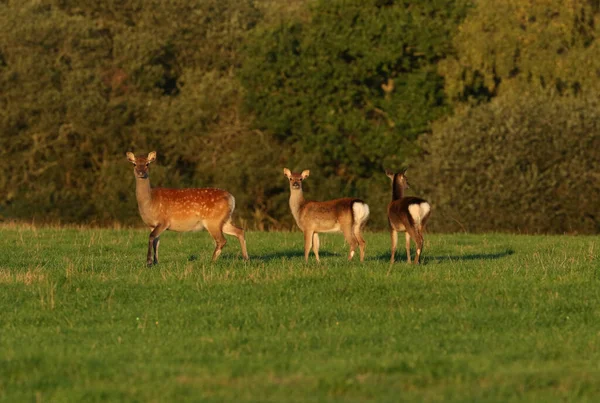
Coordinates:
x,y
305,173
152,156
287,172
130,157
389,174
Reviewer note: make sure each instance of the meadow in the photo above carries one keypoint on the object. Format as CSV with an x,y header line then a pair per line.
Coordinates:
x,y
490,317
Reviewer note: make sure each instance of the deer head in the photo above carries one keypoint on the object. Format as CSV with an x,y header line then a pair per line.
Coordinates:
x,y
140,164
398,178
296,178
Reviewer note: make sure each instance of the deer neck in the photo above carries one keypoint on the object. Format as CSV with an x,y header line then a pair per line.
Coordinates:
x,y
397,191
143,194
296,203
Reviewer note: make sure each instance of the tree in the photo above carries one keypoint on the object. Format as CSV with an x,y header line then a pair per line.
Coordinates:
x,y
351,87
81,82
510,45
356,83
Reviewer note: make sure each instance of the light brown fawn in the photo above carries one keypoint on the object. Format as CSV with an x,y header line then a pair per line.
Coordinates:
x,y
183,210
408,214
347,215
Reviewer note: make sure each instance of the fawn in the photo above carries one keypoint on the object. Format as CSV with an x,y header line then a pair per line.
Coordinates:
x,y
409,214
183,210
347,215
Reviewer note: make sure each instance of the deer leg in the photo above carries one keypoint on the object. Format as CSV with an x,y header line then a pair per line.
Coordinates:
x,y
351,239
153,243
414,233
361,242
315,246
216,231
394,236
407,236
308,236
231,229
419,242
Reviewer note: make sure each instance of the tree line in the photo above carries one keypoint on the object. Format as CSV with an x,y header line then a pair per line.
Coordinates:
x,y
493,106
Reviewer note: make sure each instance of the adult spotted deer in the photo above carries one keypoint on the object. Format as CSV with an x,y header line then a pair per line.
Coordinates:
x,y
347,215
183,210
408,214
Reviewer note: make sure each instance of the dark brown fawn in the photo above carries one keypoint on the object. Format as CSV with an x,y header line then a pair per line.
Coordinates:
x,y
183,210
408,214
347,215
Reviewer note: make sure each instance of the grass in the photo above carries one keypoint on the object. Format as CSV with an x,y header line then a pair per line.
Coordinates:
x,y
486,318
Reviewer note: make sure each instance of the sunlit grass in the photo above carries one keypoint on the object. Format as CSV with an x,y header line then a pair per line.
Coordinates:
x,y
486,318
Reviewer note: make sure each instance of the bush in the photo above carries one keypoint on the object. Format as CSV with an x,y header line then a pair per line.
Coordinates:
x,y
526,163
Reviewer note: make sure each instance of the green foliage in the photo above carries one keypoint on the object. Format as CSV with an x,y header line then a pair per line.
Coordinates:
x,y
229,92
524,163
353,86
82,82
487,318
506,45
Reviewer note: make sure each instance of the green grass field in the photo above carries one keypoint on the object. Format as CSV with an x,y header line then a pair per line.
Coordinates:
x,y
486,318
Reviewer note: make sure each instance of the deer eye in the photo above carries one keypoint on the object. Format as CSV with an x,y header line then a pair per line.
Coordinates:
x,y
147,163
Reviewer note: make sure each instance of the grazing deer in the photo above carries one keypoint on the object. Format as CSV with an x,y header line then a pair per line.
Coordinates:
x,y
409,214
347,215
183,210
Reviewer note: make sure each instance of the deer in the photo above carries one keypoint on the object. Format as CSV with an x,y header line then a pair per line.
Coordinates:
x,y
408,214
346,215
183,210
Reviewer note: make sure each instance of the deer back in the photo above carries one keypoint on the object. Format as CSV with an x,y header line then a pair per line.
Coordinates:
x,y
329,215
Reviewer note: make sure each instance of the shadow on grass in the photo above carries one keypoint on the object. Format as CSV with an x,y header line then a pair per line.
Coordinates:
x,y
475,256
290,254
400,257
428,259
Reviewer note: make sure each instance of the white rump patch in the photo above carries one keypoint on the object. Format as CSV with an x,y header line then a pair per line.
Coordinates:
x,y
231,203
231,206
418,211
361,212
